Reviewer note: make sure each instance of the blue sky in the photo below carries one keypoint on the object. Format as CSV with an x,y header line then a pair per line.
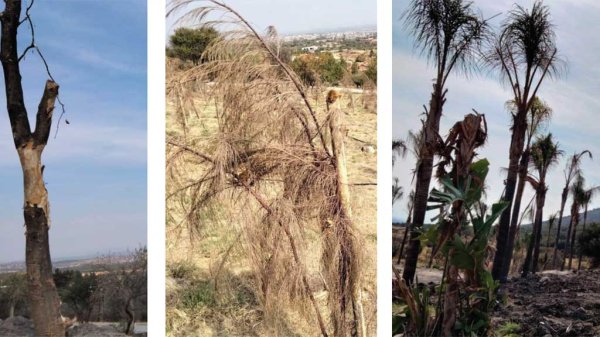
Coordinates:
x,y
574,98
96,167
301,16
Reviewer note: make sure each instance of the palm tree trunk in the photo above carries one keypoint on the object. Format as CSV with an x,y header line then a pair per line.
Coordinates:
x,y
528,266
547,245
538,234
499,270
423,179
567,243
516,211
401,250
580,255
563,202
572,245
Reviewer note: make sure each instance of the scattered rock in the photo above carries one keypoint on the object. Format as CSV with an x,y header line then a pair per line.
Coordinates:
x,y
17,326
368,149
88,329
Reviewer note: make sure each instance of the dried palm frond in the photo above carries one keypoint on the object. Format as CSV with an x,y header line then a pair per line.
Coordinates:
x,y
271,160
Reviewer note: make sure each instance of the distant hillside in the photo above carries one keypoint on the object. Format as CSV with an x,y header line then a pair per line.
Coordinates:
x,y
593,216
83,264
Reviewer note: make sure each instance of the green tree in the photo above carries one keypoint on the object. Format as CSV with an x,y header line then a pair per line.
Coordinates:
x,y
372,71
305,66
330,69
589,244
75,290
354,68
588,195
188,44
14,291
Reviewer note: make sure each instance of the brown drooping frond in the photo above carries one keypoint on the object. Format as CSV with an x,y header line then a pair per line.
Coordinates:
x,y
266,166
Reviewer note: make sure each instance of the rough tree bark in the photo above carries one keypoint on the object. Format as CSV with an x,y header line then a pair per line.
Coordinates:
x,y
563,202
514,223
516,150
339,153
423,179
43,298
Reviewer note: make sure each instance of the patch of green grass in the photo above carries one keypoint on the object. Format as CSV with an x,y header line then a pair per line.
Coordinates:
x,y
508,329
200,294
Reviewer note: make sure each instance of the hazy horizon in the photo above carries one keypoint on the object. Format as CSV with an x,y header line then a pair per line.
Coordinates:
x,y
291,17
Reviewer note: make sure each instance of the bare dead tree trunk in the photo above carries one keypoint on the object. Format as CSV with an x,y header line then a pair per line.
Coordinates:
x,y
43,298
339,153
131,317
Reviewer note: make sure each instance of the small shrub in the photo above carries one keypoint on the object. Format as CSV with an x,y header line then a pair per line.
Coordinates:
x,y
589,244
181,270
200,294
508,329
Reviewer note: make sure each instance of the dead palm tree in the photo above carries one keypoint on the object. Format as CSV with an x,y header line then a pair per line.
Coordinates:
x,y
399,148
570,172
539,114
578,192
397,191
586,200
525,54
544,155
449,33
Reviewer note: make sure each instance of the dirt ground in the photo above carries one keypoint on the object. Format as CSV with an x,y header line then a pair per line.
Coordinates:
x,y
553,304
549,304
22,327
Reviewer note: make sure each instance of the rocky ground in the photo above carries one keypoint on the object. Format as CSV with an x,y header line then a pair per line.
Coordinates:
x,y
23,327
552,304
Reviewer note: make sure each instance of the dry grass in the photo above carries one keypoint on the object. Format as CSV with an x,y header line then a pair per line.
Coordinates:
x,y
254,205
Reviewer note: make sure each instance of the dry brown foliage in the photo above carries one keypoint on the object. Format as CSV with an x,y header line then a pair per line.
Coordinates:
x,y
272,161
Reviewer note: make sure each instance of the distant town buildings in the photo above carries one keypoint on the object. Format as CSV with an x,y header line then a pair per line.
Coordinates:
x,y
332,36
310,49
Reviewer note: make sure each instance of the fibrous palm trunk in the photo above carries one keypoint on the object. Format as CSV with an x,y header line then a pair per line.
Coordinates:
x,y
563,202
512,234
499,270
538,234
567,242
573,236
584,223
423,178
530,264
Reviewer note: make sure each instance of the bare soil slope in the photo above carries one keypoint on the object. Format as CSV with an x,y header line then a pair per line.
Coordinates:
x,y
553,304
